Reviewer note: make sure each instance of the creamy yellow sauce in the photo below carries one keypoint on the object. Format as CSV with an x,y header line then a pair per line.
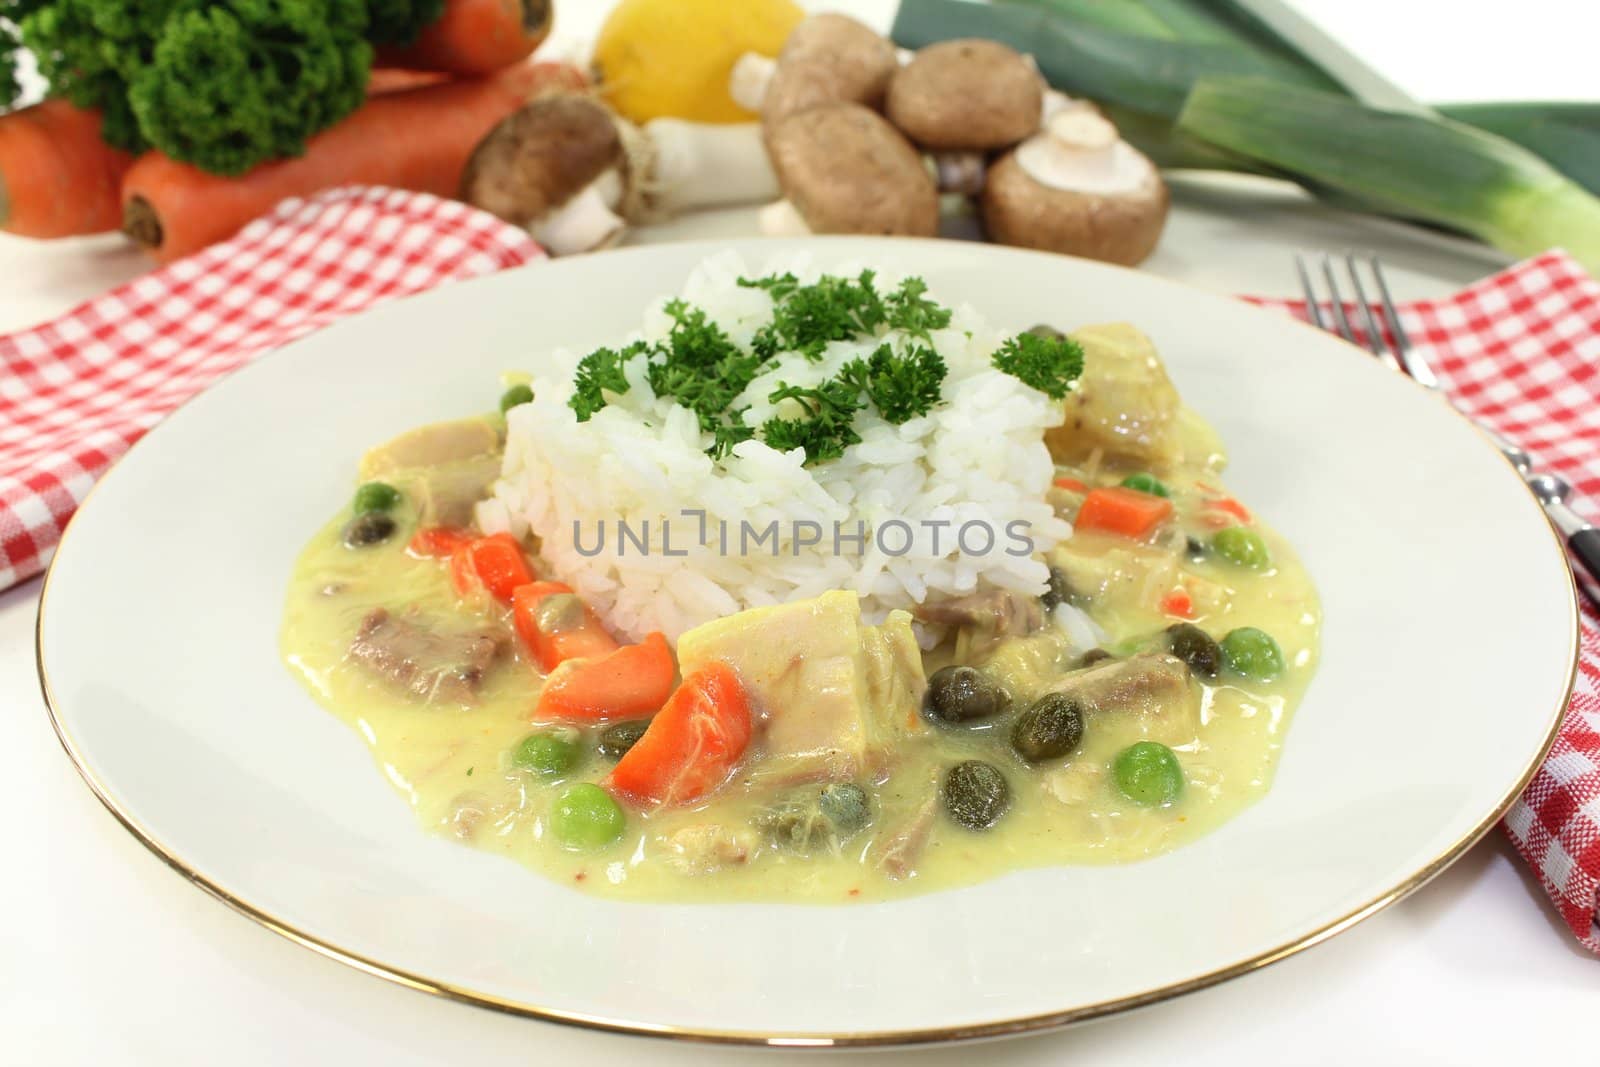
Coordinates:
x,y
453,764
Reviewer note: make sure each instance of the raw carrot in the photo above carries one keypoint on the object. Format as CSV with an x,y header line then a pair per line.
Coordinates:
x,y
1122,511
411,139
57,177
437,542
494,563
475,37
389,80
554,636
630,683
692,744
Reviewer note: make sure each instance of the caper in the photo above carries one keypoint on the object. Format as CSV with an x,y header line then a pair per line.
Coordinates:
x,y
1052,727
367,529
1093,656
846,805
976,794
1195,647
798,825
958,693
616,739
1057,591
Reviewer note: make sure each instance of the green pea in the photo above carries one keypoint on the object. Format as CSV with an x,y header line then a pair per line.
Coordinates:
x,y
547,753
1236,544
1252,653
1146,483
375,496
1148,773
585,816
517,394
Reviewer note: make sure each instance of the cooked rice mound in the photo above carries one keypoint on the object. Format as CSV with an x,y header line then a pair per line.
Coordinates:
x,y
976,462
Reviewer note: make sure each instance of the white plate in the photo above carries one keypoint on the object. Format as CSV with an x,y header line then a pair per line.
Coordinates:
x,y
1449,650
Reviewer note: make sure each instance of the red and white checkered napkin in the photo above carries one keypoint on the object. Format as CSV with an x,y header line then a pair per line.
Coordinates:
x,y
1520,352
76,392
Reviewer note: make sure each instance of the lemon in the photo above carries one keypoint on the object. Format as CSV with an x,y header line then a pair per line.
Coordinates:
x,y
672,57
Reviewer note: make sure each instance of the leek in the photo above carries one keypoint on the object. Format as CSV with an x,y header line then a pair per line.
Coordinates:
x,y
1567,136
1085,58
1419,166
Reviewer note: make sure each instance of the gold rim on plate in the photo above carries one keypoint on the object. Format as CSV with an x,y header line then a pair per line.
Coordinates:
x,y
1002,1028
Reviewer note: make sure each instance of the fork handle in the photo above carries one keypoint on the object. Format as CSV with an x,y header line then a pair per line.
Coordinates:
x,y
1585,548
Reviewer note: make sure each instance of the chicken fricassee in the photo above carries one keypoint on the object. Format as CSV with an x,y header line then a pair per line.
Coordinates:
x,y
801,750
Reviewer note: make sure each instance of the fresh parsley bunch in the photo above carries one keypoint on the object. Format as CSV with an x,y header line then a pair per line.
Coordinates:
x,y
223,84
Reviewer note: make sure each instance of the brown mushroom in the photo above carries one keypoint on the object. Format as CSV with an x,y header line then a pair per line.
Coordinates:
x,y
843,169
967,95
828,59
555,167
1076,188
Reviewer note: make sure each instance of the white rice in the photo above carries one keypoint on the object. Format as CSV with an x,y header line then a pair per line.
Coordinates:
x,y
977,457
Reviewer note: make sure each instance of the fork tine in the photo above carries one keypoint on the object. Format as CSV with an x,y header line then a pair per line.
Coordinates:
x,y
1374,331
1339,317
1312,308
1410,362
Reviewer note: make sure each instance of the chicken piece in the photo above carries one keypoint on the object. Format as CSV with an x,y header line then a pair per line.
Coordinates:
x,y
829,694
999,612
444,468
430,446
1026,666
447,494
1124,404
439,668
1115,574
707,848
1152,687
897,853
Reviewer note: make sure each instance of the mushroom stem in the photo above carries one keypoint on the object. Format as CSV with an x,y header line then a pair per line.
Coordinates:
x,y
748,81
1080,151
586,221
782,220
959,172
702,165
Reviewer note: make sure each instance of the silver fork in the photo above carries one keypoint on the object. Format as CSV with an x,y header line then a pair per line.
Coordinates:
x,y
1582,539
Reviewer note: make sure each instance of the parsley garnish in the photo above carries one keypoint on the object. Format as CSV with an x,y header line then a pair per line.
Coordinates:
x,y
698,366
900,385
1048,364
599,372
910,311
829,428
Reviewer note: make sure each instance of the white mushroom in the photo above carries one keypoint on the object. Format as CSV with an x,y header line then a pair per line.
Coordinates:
x,y
844,169
1076,187
572,172
967,95
828,59
556,167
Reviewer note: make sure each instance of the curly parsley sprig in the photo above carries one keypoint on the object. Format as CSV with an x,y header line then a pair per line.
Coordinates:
x,y
1048,364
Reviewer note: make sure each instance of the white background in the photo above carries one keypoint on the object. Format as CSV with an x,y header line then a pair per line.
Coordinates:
x,y
107,957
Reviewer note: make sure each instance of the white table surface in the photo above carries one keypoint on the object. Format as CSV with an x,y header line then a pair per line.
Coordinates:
x,y
108,957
